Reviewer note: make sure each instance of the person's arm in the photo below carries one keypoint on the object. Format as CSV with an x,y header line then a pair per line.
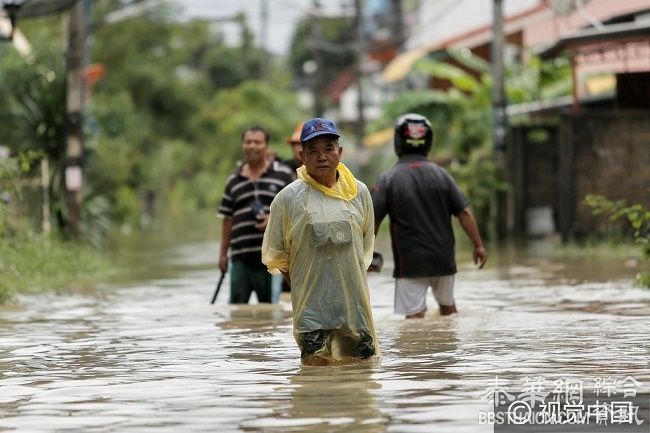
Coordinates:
x,y
226,235
368,229
275,246
468,223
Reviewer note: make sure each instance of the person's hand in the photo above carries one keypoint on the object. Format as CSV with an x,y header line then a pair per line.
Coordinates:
x,y
262,222
377,263
480,256
223,263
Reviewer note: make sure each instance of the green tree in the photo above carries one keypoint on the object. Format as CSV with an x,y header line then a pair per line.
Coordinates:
x,y
165,112
162,124
32,101
334,48
219,124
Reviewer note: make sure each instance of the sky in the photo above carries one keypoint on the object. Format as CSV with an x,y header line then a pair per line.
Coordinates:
x,y
441,19
283,16
436,18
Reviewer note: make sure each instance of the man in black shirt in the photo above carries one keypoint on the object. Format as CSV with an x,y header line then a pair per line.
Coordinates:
x,y
249,191
420,197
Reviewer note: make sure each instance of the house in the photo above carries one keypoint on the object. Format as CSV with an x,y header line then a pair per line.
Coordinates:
x,y
597,141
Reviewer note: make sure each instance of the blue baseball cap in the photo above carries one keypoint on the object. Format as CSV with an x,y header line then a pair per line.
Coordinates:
x,y
318,126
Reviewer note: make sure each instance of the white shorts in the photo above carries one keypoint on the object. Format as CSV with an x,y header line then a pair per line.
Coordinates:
x,y
411,293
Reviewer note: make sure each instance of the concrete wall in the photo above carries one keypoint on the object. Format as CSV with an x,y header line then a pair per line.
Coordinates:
x,y
611,157
604,153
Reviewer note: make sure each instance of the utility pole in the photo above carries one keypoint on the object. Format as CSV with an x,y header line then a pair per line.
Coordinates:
x,y
316,36
360,126
499,119
264,36
397,24
246,43
498,94
73,178
45,193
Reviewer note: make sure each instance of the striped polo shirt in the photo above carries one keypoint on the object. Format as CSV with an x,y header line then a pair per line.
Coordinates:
x,y
246,240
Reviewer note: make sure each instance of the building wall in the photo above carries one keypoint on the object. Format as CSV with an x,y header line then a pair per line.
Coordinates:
x,y
604,153
611,157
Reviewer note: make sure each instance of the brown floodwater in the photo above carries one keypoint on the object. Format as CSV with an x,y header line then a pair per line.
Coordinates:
x,y
147,351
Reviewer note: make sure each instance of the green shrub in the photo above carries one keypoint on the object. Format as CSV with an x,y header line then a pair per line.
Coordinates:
x,y
34,262
636,214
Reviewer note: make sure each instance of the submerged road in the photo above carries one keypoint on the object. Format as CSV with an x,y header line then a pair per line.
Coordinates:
x,y
150,354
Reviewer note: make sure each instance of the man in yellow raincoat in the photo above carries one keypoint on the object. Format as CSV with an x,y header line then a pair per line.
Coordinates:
x,y
320,236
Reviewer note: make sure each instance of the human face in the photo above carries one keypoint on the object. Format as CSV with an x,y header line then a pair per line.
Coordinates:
x,y
321,156
255,147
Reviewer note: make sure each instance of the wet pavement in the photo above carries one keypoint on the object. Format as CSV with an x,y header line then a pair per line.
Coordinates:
x,y
149,352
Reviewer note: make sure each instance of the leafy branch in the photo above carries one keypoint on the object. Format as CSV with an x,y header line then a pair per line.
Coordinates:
x,y
636,214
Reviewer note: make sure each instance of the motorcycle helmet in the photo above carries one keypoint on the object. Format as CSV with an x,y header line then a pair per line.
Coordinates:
x,y
413,134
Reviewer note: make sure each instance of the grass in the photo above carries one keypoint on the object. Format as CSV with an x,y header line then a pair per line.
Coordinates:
x,y
605,249
34,262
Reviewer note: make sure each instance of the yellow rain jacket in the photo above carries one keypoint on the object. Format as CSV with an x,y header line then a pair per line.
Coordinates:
x,y
324,238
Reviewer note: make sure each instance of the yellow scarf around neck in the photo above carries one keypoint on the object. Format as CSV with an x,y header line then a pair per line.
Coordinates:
x,y
345,187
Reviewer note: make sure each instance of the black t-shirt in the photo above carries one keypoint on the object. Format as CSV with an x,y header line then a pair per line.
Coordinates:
x,y
419,197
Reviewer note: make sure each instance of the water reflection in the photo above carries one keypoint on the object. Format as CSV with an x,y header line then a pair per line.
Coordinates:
x,y
256,332
420,374
339,396
427,348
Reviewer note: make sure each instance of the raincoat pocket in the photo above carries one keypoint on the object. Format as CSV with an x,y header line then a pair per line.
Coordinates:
x,y
336,232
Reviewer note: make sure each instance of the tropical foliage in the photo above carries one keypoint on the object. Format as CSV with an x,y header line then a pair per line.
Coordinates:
x,y
163,123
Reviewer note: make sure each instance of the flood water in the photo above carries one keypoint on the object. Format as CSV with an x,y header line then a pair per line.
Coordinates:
x,y
147,352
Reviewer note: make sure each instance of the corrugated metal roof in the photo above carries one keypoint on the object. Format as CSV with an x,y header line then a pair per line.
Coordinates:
x,y
624,32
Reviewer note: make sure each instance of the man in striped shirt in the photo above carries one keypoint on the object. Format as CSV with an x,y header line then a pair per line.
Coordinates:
x,y
249,191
